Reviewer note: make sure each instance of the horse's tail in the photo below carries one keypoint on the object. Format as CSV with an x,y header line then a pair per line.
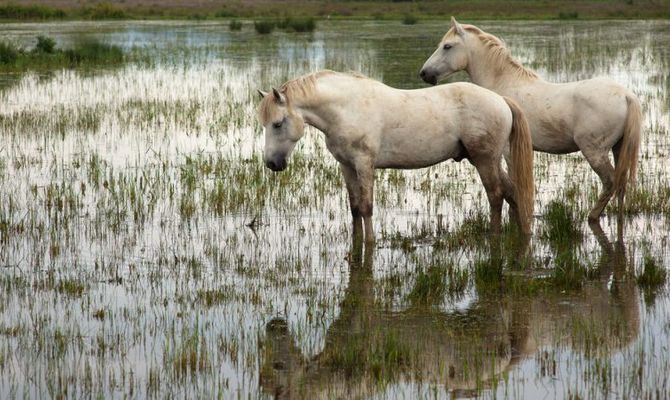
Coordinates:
x,y
521,170
626,163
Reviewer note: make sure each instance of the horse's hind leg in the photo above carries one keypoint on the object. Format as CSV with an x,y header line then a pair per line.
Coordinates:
x,y
601,165
353,188
508,195
489,172
616,150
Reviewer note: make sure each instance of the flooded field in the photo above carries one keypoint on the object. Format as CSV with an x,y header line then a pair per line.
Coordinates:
x,y
145,251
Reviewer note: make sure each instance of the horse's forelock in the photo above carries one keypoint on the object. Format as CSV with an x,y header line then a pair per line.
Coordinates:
x,y
266,108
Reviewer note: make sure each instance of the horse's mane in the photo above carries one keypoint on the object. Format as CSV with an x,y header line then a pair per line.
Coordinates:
x,y
498,54
300,87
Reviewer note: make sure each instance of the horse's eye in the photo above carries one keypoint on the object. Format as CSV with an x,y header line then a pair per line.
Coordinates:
x,y
277,125
446,46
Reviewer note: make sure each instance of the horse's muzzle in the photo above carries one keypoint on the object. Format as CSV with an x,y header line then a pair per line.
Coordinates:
x,y
428,76
276,165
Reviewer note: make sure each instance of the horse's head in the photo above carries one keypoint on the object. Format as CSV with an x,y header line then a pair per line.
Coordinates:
x,y
284,126
451,55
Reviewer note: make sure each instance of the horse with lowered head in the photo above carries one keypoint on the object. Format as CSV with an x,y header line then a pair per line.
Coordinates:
x,y
369,125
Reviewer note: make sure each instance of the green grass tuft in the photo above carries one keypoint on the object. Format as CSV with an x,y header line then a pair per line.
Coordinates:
x,y
105,11
409,19
30,12
235,25
9,54
562,225
264,27
568,15
45,44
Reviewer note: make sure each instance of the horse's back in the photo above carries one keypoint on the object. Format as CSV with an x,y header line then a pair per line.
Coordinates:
x,y
426,126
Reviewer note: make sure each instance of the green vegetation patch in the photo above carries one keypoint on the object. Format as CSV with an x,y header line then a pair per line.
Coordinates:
x,y
562,224
45,55
288,24
409,19
235,25
653,278
30,12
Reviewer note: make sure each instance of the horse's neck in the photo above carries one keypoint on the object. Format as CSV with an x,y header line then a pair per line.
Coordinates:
x,y
317,108
493,75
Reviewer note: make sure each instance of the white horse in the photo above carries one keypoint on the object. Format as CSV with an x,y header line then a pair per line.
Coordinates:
x,y
369,125
594,116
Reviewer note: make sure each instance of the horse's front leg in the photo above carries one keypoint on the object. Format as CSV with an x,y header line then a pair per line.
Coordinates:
x,y
366,179
353,188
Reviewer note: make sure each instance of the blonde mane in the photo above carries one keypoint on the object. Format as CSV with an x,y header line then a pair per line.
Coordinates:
x,y
300,87
498,54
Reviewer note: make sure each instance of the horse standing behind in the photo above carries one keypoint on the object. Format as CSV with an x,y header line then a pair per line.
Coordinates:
x,y
370,125
594,116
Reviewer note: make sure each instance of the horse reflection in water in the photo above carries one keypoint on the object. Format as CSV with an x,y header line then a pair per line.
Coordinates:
x,y
369,347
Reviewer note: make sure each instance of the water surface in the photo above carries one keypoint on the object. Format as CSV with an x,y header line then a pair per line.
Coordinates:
x,y
146,252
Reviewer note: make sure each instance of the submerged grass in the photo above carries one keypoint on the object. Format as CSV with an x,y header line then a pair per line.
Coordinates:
x,y
440,281
562,224
653,278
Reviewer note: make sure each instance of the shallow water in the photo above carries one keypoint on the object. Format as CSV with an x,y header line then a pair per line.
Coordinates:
x,y
145,251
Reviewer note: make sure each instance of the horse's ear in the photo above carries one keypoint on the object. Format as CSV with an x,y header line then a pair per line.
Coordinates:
x,y
279,97
457,27
262,94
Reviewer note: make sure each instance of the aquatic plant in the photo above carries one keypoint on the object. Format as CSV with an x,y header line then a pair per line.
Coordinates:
x,y
8,53
264,27
45,44
235,25
409,19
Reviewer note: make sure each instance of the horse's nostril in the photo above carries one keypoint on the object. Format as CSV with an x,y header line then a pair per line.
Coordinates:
x,y
271,165
422,73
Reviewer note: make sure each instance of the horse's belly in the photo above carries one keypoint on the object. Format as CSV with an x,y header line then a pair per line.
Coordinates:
x,y
413,154
552,137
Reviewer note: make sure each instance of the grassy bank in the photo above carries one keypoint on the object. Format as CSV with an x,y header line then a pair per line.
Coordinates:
x,y
204,9
45,55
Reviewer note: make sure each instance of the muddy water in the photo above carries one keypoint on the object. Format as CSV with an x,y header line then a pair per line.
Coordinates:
x,y
146,252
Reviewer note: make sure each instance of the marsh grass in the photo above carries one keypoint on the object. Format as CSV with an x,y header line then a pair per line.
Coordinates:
x,y
235,25
288,24
265,26
430,287
86,52
191,356
643,200
409,19
295,24
30,12
378,354
481,9
652,279
9,54
568,15
45,44
562,225
104,11
144,246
